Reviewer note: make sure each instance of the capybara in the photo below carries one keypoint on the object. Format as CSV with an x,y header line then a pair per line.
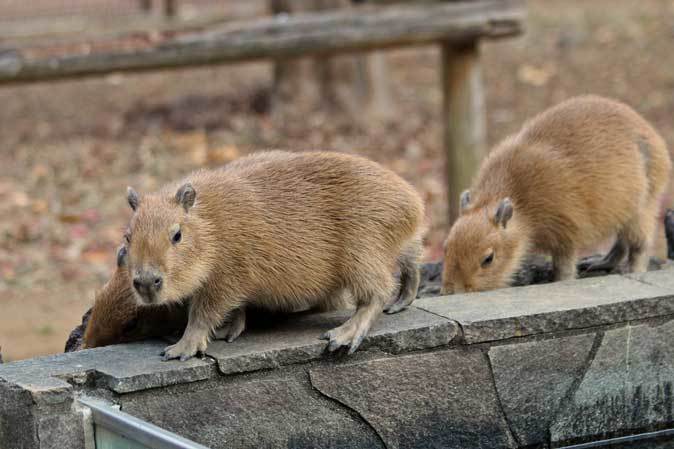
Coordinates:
x,y
280,231
583,171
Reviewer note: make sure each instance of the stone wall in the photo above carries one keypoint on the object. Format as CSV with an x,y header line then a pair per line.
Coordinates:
x,y
537,366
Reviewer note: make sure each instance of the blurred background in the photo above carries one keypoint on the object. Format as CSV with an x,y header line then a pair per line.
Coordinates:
x,y
69,148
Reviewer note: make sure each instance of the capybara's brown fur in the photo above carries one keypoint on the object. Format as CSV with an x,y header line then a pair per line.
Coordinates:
x,y
278,231
117,318
580,172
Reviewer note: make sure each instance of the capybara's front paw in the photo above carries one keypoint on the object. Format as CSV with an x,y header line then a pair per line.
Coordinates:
x,y
183,350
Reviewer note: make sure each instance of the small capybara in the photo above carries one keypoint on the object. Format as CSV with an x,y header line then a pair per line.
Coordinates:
x,y
279,231
583,171
117,318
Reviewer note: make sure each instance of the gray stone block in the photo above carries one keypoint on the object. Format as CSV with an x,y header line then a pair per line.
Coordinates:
x,y
121,368
17,421
535,309
138,366
533,378
278,413
663,278
295,339
628,386
444,399
27,424
58,430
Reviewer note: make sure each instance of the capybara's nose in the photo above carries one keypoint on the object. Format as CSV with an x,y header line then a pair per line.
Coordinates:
x,y
147,283
138,285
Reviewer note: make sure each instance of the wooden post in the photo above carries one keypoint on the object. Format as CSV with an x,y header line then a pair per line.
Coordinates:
x,y
145,6
170,8
288,74
464,118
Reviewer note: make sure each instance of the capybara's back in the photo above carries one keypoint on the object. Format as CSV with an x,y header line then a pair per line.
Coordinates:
x,y
355,216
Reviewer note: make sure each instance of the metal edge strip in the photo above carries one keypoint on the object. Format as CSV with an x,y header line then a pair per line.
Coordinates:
x,y
625,439
136,429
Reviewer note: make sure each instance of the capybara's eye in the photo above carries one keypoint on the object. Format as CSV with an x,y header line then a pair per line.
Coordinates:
x,y
488,260
176,237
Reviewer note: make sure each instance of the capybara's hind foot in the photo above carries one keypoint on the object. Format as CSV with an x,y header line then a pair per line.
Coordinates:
x,y
610,261
348,334
231,330
400,303
353,332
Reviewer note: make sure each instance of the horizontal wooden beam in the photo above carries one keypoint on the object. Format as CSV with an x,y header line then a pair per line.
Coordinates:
x,y
280,37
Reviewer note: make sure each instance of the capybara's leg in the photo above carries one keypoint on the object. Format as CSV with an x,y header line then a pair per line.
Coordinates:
x,y
206,313
564,264
614,257
639,233
409,277
231,329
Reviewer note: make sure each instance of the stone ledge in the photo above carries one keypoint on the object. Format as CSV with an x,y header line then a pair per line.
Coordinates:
x,y
431,322
121,368
596,362
137,366
295,340
539,309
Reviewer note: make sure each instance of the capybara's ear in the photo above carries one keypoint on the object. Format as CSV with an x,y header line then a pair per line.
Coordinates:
x,y
132,197
121,256
504,212
186,196
464,200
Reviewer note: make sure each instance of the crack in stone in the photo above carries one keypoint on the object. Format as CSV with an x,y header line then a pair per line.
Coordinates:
x,y
571,392
643,281
599,327
512,433
627,354
350,410
458,338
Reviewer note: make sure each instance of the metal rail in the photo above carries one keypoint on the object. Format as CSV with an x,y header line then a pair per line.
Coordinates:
x,y
136,429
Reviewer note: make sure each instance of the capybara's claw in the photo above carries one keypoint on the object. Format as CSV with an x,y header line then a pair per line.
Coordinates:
x,y
326,336
355,343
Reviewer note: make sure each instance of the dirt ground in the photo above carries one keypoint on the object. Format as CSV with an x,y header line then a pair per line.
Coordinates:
x,y
69,149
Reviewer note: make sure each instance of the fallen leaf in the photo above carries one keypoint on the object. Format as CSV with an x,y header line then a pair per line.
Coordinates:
x,y
69,218
195,144
70,272
20,198
605,35
40,171
535,76
26,232
223,154
91,216
8,272
78,231
97,256
40,206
